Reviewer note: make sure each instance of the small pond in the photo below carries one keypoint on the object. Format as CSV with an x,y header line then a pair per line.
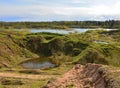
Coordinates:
x,y
101,42
37,64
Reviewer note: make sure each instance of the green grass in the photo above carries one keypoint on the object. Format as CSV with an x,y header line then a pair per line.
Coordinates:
x,y
17,47
70,86
21,83
100,54
30,83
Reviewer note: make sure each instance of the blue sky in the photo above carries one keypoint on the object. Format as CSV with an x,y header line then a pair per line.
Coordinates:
x,y
59,10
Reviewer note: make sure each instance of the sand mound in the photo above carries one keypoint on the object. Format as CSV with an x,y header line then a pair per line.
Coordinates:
x,y
80,76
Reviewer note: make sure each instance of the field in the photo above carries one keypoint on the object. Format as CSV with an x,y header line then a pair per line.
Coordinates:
x,y
64,50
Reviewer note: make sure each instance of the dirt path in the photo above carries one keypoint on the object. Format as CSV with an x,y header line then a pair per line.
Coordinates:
x,y
24,76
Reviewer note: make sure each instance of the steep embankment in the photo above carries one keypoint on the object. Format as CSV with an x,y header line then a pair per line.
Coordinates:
x,y
11,53
88,76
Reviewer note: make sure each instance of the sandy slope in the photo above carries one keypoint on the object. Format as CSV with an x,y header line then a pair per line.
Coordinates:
x,y
80,76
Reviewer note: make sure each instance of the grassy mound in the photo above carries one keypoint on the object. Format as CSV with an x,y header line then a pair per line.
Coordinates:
x,y
100,54
11,53
90,47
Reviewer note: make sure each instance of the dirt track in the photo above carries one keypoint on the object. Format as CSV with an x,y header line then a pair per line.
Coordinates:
x,y
24,76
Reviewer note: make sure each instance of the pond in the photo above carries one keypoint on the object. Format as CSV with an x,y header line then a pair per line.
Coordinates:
x,y
101,42
79,30
37,64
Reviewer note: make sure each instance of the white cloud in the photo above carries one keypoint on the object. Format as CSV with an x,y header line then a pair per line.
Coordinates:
x,y
98,11
79,1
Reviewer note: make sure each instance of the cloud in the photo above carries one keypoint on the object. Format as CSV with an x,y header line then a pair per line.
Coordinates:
x,y
79,1
85,10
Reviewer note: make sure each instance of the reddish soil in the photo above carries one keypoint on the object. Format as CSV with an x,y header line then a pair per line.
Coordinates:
x,y
80,76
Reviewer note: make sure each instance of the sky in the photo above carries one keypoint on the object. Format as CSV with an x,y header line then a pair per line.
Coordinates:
x,y
59,10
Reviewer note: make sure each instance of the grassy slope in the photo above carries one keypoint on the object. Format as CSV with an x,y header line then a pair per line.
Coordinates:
x,y
101,53
10,52
18,46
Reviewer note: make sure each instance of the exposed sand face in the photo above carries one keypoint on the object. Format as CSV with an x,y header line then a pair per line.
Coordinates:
x,y
80,76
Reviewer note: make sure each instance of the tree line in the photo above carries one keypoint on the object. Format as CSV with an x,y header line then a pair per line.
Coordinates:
x,y
61,24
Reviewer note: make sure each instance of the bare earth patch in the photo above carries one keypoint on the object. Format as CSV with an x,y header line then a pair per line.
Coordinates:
x,y
88,76
24,76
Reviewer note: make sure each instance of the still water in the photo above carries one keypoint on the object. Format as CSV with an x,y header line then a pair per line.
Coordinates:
x,y
78,30
37,64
